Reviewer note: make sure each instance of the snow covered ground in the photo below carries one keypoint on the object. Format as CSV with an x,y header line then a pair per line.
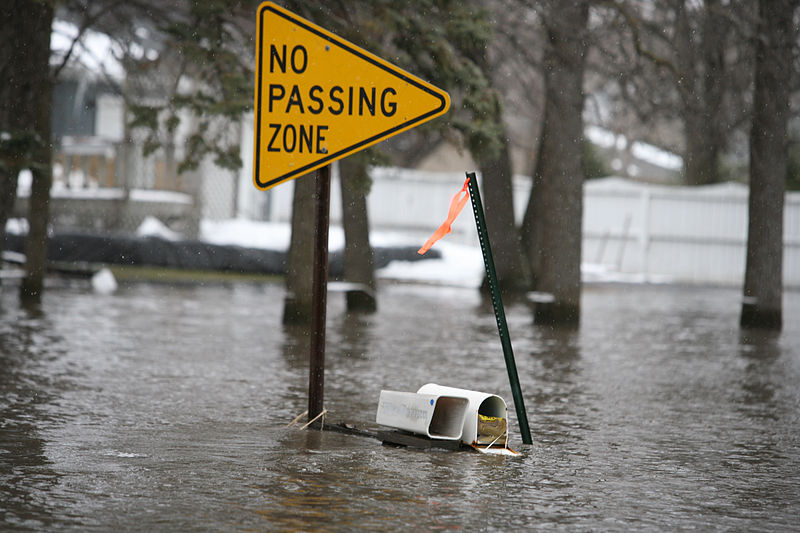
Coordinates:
x,y
460,265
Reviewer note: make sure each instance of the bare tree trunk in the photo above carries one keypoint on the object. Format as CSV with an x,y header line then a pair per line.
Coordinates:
x,y
26,95
553,220
763,283
497,192
38,220
702,69
513,276
9,119
8,195
701,157
359,260
300,258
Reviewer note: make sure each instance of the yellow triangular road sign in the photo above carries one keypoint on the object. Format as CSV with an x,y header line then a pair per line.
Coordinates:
x,y
319,98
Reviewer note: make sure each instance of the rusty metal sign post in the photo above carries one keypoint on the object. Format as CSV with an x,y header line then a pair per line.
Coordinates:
x,y
319,98
316,373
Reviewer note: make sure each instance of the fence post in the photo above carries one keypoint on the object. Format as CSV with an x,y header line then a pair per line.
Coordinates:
x,y
645,235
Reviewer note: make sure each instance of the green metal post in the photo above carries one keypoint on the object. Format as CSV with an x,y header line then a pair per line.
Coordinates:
x,y
499,312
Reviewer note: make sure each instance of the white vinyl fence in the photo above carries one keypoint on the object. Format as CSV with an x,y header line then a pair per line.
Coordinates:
x,y
655,233
694,235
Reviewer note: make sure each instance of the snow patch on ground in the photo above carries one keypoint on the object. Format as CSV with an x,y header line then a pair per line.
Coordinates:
x,y
641,150
460,265
152,227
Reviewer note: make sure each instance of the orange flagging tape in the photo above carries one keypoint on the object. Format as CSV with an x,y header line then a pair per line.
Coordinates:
x,y
457,203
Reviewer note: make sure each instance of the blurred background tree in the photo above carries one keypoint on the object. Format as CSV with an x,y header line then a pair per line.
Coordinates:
x,y
776,36
680,75
552,224
26,94
201,43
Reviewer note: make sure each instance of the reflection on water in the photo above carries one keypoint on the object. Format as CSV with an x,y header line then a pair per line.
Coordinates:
x,y
165,408
26,382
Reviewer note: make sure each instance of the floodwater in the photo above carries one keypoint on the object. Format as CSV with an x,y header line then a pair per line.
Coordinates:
x,y
165,408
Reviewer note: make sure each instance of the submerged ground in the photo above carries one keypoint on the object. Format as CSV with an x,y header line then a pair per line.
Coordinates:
x,y
164,407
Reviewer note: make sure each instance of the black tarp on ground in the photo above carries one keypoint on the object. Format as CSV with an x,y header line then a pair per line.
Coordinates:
x,y
191,255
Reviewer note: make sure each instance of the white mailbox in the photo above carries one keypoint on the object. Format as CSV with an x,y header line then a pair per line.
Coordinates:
x,y
486,420
437,416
